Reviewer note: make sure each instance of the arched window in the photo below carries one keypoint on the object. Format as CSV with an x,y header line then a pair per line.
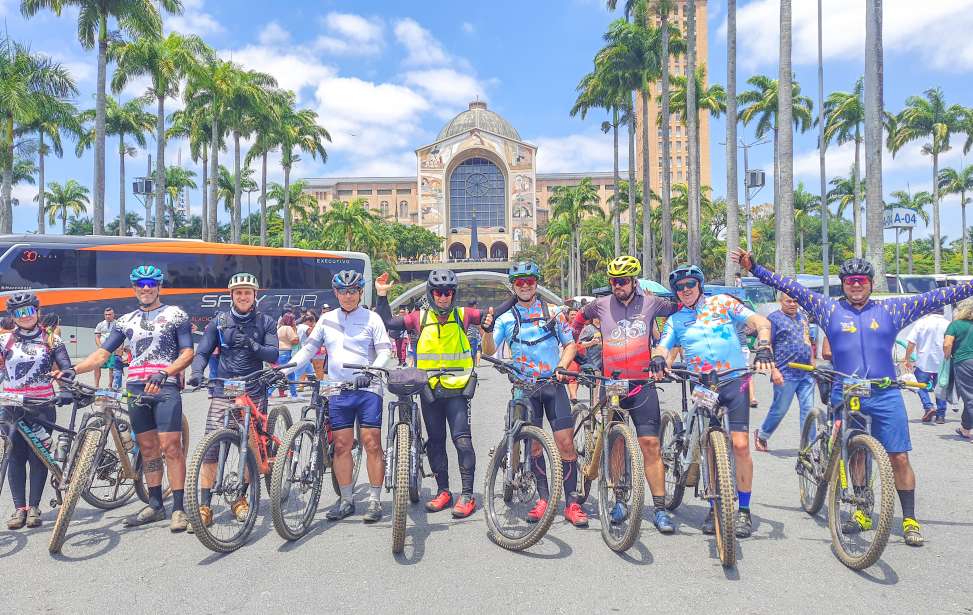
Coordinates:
x,y
477,185
403,209
457,251
498,250
383,209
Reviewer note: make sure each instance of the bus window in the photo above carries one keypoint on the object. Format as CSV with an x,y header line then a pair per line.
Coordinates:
x,y
29,267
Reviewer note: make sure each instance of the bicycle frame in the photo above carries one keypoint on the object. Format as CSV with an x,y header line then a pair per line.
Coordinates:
x,y
403,410
604,414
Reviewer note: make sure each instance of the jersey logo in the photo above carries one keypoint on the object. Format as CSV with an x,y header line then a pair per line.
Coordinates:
x,y
849,327
874,325
628,329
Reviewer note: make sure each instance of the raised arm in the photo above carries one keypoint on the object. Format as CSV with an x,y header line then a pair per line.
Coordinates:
x,y
814,303
906,310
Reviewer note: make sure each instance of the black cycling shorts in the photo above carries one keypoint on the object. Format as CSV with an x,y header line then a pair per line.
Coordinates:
x,y
642,404
164,414
551,400
735,397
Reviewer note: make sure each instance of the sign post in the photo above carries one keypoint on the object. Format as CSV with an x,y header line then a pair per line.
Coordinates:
x,y
899,218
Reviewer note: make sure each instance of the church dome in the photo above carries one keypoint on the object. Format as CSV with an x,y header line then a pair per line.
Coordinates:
x,y
478,116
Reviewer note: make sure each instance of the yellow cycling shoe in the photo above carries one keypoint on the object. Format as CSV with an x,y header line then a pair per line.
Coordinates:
x,y
912,532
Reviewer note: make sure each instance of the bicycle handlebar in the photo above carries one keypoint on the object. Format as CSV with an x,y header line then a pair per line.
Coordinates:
x,y
882,383
431,372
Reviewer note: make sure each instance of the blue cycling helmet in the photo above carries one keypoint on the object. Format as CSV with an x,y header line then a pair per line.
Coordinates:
x,y
146,272
686,271
348,278
523,269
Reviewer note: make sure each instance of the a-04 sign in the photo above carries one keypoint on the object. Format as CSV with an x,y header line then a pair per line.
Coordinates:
x,y
900,217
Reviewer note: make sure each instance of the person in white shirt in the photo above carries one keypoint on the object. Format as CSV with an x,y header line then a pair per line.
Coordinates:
x,y
926,340
352,334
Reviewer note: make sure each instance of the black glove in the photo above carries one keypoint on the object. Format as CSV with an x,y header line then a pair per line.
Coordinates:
x,y
363,380
64,398
658,365
763,354
69,373
158,379
240,339
194,379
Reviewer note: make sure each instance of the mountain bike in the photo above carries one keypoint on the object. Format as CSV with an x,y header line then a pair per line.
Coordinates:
x,y
511,488
222,478
611,452
404,445
857,467
695,446
303,458
16,411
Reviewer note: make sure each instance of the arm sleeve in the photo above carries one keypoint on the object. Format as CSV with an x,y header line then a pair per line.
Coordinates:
x,y
207,343
669,338
504,307
114,341
60,355
310,348
813,303
906,310
565,330
184,335
738,312
666,307
472,316
501,330
267,350
383,309
583,317
383,345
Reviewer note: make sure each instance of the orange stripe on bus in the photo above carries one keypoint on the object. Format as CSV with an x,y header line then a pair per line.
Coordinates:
x,y
194,247
61,297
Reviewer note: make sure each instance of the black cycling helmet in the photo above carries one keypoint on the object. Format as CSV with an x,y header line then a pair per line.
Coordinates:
x,y
441,279
856,266
348,278
19,300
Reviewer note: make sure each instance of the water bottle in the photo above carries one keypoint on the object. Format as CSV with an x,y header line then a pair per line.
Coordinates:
x,y
125,433
42,434
61,452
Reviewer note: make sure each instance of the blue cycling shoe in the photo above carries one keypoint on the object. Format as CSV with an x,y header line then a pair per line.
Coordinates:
x,y
663,522
618,513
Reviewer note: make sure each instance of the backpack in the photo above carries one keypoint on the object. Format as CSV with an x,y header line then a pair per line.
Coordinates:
x,y
225,325
548,326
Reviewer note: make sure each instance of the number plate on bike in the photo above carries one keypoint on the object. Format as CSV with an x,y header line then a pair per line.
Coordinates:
x,y
856,387
108,394
15,398
330,388
705,397
616,387
234,387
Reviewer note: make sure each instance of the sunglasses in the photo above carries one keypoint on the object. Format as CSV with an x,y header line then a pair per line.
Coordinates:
x,y
347,292
856,280
687,285
525,282
619,281
24,312
437,292
146,284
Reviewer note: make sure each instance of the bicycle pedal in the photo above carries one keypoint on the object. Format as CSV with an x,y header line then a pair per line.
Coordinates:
x,y
492,450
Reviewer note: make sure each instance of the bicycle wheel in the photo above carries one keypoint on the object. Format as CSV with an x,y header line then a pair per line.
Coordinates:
x,y
141,490
278,422
621,488
216,460
671,447
584,444
400,488
356,451
77,483
109,488
812,462
507,523
721,486
861,503
4,457
295,485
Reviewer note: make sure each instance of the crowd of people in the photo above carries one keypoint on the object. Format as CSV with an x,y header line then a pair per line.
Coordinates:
x,y
619,335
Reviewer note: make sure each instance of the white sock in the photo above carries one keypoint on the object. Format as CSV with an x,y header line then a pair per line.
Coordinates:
x,y
347,492
375,493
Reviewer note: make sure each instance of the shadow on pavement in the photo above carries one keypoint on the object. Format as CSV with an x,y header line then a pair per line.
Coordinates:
x,y
889,576
783,453
563,549
11,543
644,555
107,538
418,529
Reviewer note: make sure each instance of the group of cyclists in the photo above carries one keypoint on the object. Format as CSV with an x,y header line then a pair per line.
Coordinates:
x,y
700,327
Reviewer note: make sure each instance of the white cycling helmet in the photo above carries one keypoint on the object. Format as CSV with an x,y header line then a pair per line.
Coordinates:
x,y
243,280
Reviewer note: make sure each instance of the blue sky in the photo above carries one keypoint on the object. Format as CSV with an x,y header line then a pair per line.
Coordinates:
x,y
385,76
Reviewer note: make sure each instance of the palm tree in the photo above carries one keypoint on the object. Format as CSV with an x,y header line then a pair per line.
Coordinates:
x,y
132,223
303,204
122,120
196,127
165,61
805,203
845,193
71,197
732,202
694,244
227,186
874,114
574,204
929,118
31,86
346,227
265,123
845,117
137,18
913,202
952,181
50,122
785,145
297,131
178,179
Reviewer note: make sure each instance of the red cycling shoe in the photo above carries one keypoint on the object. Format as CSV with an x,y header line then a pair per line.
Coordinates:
x,y
576,515
464,506
537,511
440,502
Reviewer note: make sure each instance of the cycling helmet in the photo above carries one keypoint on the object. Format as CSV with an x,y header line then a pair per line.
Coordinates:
x,y
243,280
856,266
22,299
686,271
348,278
523,269
441,279
146,272
624,266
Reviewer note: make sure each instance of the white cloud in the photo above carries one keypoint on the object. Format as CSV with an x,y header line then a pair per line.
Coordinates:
x,y
350,34
24,194
194,20
421,46
392,164
468,27
447,86
577,153
294,70
906,29
273,35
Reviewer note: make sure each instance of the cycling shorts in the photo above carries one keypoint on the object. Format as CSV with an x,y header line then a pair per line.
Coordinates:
x,y
642,406
362,406
163,415
890,421
735,397
551,400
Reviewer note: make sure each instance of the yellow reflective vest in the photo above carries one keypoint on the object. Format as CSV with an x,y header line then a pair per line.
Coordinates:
x,y
444,345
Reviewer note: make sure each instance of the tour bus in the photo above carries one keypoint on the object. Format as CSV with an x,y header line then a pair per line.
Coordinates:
x,y
78,277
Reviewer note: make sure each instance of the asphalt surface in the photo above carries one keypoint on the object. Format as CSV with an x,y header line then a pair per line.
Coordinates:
x,y
787,566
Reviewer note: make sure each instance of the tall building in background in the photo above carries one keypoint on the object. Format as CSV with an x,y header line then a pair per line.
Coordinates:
x,y
679,150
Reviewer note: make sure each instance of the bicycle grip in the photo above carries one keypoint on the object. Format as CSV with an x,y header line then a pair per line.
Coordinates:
x,y
801,366
912,384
